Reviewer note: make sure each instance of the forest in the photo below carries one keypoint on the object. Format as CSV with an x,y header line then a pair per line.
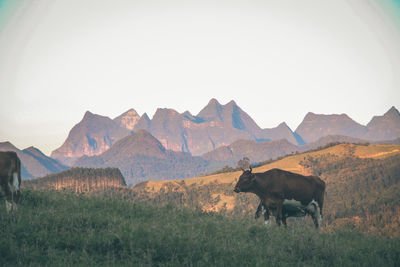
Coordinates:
x,y
79,180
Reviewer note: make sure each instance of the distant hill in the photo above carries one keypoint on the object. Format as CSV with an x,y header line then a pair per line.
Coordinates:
x,y
315,126
93,135
380,128
362,187
328,139
34,162
265,151
256,152
141,157
79,180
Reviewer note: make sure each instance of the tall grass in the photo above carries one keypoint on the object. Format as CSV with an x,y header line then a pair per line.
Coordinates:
x,y
53,228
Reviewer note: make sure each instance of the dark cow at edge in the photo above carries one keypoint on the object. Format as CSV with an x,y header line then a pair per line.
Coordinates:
x,y
10,178
285,194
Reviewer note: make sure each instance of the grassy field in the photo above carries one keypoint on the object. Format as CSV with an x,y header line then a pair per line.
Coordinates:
x,y
54,228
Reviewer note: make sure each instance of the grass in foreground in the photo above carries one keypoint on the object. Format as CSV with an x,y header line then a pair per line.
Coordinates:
x,y
52,228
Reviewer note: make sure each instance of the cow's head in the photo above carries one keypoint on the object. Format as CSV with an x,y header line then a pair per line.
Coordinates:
x,y
246,181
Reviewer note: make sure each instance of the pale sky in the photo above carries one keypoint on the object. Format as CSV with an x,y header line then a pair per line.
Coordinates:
x,y
277,59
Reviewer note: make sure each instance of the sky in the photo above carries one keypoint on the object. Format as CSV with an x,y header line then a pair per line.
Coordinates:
x,y
278,60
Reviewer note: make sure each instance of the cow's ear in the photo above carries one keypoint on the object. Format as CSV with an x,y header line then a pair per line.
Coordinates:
x,y
242,169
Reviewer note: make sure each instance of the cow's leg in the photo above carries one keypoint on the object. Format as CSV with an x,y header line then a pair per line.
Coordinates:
x,y
279,216
267,221
264,204
8,197
284,217
316,215
9,206
259,210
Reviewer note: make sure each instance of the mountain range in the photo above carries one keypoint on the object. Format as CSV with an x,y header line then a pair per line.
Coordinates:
x,y
215,126
178,145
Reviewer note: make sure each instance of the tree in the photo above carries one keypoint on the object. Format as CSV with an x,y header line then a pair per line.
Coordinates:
x,y
244,163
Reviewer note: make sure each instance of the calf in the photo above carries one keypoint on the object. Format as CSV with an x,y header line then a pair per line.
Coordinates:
x,y
285,194
10,178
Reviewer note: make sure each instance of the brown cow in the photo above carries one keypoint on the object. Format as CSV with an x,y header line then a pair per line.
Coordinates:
x,y
10,178
284,193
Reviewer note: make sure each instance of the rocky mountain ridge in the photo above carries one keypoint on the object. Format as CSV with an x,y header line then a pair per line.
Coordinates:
x,y
215,126
93,135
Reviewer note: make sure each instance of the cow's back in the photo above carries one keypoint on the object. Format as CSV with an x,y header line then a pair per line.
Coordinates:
x,y
294,186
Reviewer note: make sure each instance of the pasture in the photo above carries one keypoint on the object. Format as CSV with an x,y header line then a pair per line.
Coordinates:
x,y
55,228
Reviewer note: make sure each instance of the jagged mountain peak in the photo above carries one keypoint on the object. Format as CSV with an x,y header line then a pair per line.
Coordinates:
x,y
165,112
187,115
143,123
392,112
212,111
145,116
283,125
88,115
385,127
7,145
93,118
213,101
231,103
130,112
128,119
392,115
93,135
33,150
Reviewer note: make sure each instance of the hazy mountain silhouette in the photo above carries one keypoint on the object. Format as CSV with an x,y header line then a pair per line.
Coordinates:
x,y
34,162
315,126
93,135
216,125
386,127
380,128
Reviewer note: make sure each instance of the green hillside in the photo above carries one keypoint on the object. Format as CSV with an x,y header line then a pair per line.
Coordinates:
x,y
55,228
362,189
